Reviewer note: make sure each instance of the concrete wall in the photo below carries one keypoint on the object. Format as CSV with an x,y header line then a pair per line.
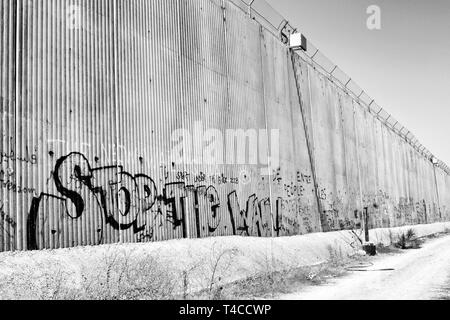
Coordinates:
x,y
95,94
360,163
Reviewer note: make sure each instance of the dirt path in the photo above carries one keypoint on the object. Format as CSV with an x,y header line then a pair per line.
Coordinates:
x,y
416,275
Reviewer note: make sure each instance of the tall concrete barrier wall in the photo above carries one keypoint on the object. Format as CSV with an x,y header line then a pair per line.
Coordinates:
x,y
122,121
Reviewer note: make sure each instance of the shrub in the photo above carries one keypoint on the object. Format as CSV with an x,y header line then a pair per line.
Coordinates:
x,y
408,240
124,276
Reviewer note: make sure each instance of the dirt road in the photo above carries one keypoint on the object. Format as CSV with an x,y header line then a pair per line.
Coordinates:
x,y
411,275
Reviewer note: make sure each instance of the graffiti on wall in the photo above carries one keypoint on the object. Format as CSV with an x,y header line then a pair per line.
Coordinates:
x,y
8,225
110,197
108,204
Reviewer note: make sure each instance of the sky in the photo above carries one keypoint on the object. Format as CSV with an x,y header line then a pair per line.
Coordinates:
x,y
404,66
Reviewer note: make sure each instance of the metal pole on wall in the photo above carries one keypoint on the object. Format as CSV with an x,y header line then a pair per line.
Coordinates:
x,y
250,8
309,142
437,189
358,164
366,225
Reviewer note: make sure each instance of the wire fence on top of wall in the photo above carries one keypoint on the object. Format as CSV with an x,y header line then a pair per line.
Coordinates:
x,y
268,17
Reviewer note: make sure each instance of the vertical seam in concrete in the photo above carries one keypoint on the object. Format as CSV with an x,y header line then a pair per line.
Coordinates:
x,y
185,221
309,140
437,193
115,41
293,119
17,100
341,106
358,161
227,64
261,36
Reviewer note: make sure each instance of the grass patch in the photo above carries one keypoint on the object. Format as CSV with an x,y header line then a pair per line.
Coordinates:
x,y
408,240
391,249
124,275
271,284
445,294
120,275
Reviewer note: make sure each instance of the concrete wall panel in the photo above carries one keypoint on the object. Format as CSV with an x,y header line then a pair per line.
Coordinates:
x,y
115,124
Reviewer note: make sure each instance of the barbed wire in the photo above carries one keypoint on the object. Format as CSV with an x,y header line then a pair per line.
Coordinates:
x,y
268,17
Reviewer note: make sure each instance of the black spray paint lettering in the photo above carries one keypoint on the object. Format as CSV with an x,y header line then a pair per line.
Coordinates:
x,y
253,221
12,186
126,202
120,196
13,156
6,218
